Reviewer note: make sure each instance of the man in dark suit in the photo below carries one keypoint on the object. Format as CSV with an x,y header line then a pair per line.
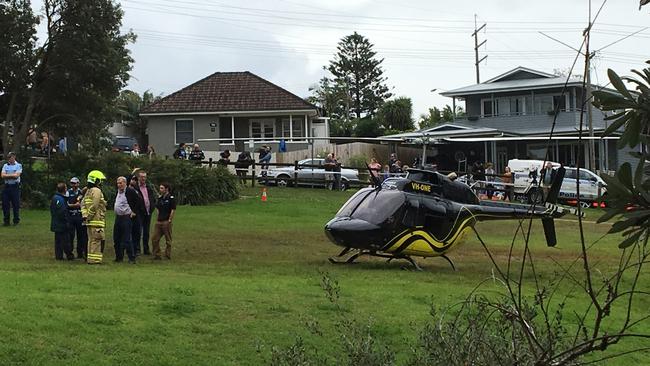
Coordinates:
x,y
145,207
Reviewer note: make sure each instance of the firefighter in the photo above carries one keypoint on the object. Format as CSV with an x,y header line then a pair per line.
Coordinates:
x,y
93,211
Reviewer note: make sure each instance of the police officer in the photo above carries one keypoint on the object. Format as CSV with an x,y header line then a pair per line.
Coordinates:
x,y
76,221
11,172
93,211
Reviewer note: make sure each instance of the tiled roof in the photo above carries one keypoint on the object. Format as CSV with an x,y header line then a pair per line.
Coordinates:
x,y
229,92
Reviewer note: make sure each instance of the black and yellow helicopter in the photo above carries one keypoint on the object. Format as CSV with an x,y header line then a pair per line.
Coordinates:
x,y
424,214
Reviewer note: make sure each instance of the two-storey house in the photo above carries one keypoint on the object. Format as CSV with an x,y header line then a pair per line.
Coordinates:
x,y
511,116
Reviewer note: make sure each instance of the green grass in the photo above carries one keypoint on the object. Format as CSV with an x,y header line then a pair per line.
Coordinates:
x,y
245,276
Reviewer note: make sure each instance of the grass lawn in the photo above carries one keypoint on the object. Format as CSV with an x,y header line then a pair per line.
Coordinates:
x,y
245,276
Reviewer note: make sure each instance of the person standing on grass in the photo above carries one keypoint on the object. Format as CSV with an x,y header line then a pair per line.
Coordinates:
x,y
489,176
146,205
508,180
76,221
93,211
125,202
59,224
375,170
166,209
11,172
547,176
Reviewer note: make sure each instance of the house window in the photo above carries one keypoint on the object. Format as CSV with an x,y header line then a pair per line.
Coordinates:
x,y
487,108
297,123
262,129
503,106
543,104
184,131
559,100
517,106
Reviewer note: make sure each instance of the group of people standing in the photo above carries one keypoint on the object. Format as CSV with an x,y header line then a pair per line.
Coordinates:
x,y
195,153
486,176
82,213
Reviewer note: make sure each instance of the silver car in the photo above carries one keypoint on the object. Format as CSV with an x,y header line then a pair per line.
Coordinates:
x,y
310,176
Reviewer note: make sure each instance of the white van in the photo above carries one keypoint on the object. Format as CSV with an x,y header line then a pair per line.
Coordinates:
x,y
591,185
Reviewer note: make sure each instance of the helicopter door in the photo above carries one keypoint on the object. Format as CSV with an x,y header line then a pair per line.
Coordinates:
x,y
413,217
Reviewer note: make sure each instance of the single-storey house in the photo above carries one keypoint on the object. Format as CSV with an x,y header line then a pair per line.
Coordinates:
x,y
236,111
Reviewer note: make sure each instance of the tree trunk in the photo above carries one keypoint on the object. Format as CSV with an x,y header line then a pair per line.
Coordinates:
x,y
20,130
8,120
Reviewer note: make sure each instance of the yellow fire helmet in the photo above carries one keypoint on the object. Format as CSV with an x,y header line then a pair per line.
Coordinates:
x,y
96,177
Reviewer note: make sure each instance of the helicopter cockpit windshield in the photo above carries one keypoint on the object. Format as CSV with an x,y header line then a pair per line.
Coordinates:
x,y
373,206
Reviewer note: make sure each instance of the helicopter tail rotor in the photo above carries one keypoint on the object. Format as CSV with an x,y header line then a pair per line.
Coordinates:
x,y
551,199
549,231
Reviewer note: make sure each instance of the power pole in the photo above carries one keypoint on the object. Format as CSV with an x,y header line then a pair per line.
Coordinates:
x,y
476,47
588,56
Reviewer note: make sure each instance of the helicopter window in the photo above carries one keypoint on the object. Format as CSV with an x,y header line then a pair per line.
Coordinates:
x,y
353,202
428,177
379,207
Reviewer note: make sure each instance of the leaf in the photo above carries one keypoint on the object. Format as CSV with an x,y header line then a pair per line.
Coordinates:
x,y
615,116
616,124
638,175
624,175
622,225
608,215
630,240
634,127
618,84
645,75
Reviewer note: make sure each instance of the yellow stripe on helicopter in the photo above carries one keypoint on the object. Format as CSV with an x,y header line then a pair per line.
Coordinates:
x,y
425,244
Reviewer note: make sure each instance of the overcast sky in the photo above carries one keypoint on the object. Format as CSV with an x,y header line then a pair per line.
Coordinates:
x,y
426,44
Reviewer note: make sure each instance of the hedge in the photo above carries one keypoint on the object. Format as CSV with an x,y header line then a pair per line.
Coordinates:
x,y
190,184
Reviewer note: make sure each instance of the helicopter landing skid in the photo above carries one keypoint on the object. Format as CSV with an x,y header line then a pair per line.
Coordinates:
x,y
371,253
450,262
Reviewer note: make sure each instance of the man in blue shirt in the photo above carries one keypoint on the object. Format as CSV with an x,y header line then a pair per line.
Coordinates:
x,y
11,172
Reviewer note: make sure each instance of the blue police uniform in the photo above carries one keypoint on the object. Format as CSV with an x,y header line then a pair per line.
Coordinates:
x,y
76,223
11,192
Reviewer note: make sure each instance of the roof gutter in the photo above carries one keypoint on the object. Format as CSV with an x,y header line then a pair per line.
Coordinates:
x,y
522,88
232,113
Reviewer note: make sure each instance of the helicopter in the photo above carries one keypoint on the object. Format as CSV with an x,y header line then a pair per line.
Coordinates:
x,y
425,214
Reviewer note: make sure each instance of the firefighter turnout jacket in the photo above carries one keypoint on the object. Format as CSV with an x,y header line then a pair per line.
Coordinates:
x,y
93,208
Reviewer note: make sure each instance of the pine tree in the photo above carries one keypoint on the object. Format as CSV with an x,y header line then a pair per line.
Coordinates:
x,y
358,72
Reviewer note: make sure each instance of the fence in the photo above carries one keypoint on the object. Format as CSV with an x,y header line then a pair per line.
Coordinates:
x,y
295,179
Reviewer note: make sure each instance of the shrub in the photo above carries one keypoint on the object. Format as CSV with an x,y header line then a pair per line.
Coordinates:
x,y
191,184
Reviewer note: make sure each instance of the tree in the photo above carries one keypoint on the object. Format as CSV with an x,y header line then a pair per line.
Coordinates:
x,y
330,98
396,114
437,116
77,73
366,127
358,73
447,114
334,102
17,58
430,120
129,104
